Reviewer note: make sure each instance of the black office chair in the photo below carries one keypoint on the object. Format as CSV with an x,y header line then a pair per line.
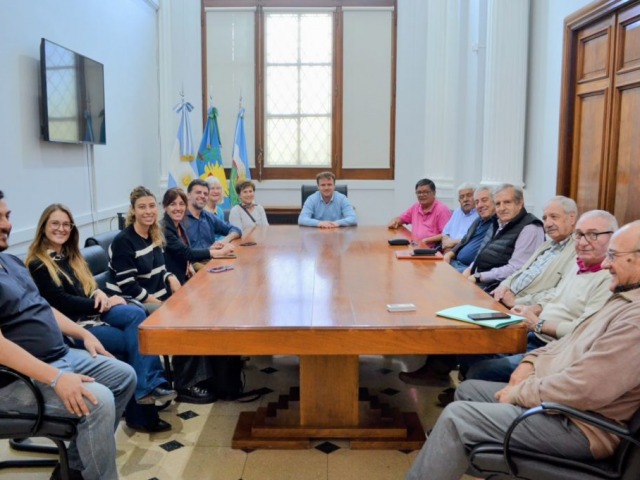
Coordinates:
x,y
98,261
502,462
307,190
103,239
19,427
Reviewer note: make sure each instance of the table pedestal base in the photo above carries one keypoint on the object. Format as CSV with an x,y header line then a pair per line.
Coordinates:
x,y
253,433
328,404
277,426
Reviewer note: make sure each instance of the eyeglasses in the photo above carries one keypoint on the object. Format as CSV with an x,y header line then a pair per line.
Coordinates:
x,y
423,193
590,236
61,225
612,254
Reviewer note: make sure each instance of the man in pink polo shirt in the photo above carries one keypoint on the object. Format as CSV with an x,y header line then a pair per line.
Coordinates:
x,y
427,216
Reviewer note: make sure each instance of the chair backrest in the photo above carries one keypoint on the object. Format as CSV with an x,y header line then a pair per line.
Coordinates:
x,y
307,190
98,261
103,239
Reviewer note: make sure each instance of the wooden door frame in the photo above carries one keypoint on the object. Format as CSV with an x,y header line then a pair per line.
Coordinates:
x,y
589,14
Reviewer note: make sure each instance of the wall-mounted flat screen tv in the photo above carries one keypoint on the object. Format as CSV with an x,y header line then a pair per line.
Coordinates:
x,y
72,96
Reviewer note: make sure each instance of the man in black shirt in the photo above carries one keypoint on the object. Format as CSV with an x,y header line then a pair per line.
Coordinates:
x,y
88,384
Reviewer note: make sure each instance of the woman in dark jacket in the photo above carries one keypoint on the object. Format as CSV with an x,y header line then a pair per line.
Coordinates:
x,y
178,255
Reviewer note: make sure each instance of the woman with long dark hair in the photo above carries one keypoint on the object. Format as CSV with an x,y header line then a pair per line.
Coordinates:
x,y
65,281
178,253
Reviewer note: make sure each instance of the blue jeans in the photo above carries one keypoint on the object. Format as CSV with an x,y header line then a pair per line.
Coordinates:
x,y
120,338
500,367
94,449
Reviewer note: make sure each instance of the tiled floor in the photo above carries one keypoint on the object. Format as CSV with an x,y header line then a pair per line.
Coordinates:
x,y
203,441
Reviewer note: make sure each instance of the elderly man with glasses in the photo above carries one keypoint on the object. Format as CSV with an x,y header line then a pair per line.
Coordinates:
x,y
596,367
582,292
427,217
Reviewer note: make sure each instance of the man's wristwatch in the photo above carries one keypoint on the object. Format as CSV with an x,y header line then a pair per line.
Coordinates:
x,y
538,328
478,277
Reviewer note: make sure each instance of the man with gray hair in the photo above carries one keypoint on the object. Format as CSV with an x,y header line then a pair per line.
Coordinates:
x,y
538,277
480,231
584,289
517,236
462,218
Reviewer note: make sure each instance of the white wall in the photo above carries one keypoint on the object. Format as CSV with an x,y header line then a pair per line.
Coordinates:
x,y
121,34
151,56
543,100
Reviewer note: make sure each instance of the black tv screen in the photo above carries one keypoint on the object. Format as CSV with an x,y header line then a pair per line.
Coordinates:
x,y
72,96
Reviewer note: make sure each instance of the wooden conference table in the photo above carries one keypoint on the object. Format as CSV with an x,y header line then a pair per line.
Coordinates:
x,y
322,295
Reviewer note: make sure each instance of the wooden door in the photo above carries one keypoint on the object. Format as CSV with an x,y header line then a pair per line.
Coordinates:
x,y
599,155
592,111
623,187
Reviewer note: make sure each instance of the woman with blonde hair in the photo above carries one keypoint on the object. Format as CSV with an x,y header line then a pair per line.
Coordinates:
x,y
216,197
137,258
65,281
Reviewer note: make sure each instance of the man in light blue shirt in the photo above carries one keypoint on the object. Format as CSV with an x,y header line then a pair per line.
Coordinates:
x,y
462,218
327,208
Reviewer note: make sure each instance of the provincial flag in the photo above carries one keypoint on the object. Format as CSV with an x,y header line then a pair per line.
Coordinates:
x,y
209,160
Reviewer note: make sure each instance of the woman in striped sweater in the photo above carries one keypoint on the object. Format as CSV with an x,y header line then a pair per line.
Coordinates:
x,y
138,265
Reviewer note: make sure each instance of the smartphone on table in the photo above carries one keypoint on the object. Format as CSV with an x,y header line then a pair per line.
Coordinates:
x,y
488,316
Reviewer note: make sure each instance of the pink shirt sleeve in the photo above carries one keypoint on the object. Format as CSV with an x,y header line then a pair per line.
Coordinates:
x,y
443,216
407,216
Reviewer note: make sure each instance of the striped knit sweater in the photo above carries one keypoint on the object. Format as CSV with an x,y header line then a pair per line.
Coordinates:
x,y
137,267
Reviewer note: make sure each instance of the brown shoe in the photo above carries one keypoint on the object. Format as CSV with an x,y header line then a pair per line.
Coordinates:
x,y
425,376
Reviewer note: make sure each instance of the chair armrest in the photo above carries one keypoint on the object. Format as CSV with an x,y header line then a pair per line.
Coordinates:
x,y
37,394
590,418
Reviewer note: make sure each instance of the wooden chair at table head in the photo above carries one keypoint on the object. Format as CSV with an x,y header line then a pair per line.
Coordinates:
x,y
306,190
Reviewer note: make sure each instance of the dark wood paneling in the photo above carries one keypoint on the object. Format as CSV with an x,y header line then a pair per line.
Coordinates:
x,y
599,144
626,205
589,148
593,53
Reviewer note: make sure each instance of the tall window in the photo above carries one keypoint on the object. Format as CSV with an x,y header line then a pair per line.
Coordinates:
x,y
298,87
317,83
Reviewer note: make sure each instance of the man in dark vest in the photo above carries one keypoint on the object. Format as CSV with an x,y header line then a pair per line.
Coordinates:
x,y
517,237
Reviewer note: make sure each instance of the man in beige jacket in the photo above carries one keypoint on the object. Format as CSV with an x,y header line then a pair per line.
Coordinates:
x,y
537,279
582,370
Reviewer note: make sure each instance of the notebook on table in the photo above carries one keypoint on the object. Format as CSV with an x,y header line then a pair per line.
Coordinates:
x,y
463,311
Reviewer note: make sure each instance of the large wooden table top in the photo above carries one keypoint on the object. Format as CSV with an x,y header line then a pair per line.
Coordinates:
x,y
309,291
